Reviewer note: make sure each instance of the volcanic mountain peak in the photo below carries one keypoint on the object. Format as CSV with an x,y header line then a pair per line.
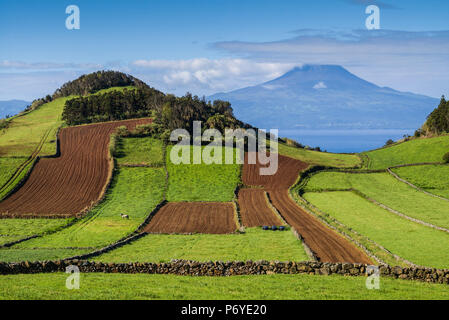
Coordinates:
x,y
327,96
312,76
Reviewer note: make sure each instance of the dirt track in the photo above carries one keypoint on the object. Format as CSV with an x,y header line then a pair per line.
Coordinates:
x,y
254,209
326,243
66,185
194,217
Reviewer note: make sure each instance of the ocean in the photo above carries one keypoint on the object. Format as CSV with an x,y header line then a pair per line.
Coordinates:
x,y
346,141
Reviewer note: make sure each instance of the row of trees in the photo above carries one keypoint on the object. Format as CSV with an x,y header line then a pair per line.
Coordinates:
x,y
181,112
113,105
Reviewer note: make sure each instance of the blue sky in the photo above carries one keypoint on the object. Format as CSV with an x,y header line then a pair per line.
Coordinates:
x,y
210,46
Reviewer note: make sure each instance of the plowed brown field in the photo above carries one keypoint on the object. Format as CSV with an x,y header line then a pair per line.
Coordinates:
x,y
254,209
327,244
323,241
286,175
66,185
194,217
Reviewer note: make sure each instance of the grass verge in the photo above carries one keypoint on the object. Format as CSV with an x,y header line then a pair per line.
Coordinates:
x,y
414,151
153,287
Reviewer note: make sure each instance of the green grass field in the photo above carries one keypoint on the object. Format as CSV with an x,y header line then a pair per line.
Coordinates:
x,y
417,243
25,132
202,182
254,245
15,229
152,287
39,254
387,190
320,158
17,177
414,151
7,168
432,178
134,151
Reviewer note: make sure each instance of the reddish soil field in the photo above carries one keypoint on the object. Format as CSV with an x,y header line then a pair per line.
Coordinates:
x,y
323,241
67,185
254,209
286,175
194,217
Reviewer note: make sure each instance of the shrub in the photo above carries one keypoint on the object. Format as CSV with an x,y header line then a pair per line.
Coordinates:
x,y
147,130
3,124
113,145
389,142
419,133
446,158
122,131
293,143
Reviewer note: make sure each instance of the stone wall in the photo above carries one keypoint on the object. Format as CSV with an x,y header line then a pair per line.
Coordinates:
x,y
218,268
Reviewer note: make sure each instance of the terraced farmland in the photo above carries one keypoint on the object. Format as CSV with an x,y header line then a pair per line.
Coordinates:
x,y
134,191
324,242
417,243
75,180
387,190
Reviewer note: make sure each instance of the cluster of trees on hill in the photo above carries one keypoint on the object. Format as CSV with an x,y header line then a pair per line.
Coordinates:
x,y
181,112
111,106
169,111
96,81
438,121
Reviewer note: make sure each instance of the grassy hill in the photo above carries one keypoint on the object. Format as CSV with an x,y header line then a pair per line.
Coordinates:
x,y
26,132
320,158
414,151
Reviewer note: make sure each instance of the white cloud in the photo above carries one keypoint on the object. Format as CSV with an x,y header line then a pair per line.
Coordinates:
x,y
206,76
320,85
21,66
407,61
